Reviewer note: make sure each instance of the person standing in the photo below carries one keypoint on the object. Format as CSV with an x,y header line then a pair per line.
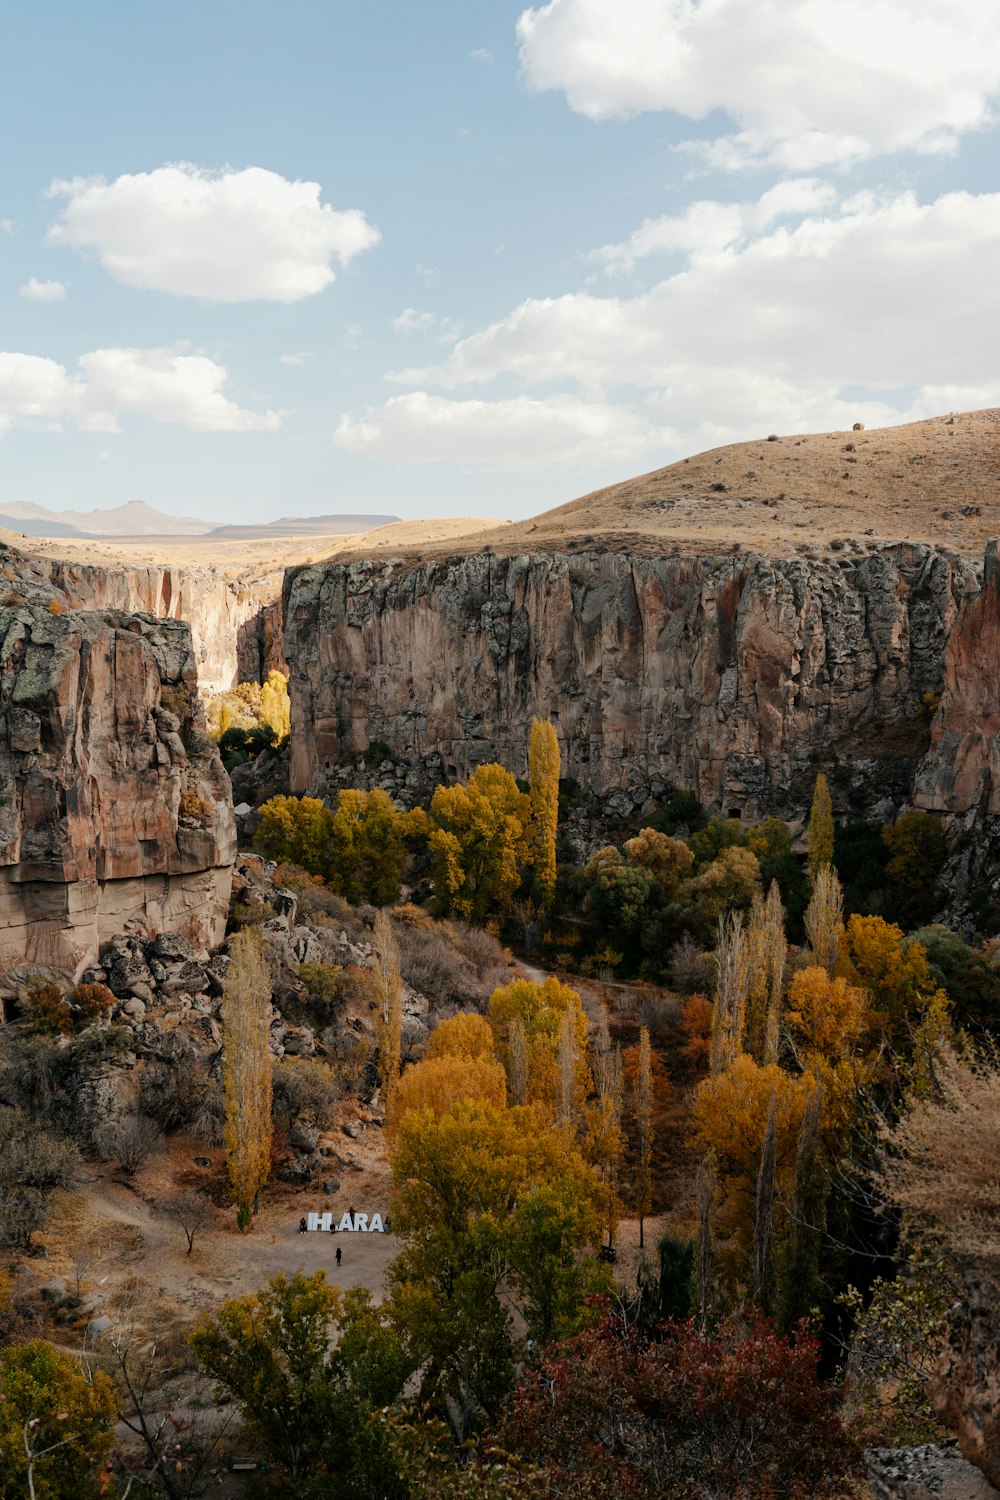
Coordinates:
x,y
339,1254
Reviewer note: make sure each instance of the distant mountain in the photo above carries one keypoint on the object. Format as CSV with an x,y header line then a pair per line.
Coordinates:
x,y
302,526
134,519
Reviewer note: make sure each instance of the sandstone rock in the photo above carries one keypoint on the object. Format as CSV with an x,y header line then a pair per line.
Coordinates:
x,y
134,1008
90,830
171,947
964,1389
721,675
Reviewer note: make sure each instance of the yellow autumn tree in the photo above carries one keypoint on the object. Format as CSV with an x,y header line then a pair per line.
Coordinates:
x,y
479,837
828,1017
894,971
438,1083
733,1113
540,1014
466,1035
820,834
246,1070
275,705
543,782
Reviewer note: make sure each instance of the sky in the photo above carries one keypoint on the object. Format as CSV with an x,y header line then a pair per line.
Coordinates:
x,y
460,257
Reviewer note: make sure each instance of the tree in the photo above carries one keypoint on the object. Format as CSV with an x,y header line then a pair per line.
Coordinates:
x,y
304,1088
541,1009
919,849
543,781
733,957
307,1366
438,1083
735,1412
828,1017
820,834
275,708
191,1212
465,1035
246,1070
129,1141
642,1116
485,1195
730,883
765,995
617,891
366,853
604,1133
32,1163
479,838
824,919
894,970
297,830
388,1006
668,860
56,1426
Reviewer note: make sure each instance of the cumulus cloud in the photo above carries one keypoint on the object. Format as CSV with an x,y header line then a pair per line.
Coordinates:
x,y
807,83
520,433
708,226
769,328
222,236
43,291
6,226
164,384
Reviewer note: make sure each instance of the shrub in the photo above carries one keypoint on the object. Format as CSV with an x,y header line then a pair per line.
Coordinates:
x,y
194,808
49,1008
129,1141
90,1001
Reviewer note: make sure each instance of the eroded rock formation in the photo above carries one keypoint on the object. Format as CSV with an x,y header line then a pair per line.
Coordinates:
x,y
114,807
235,625
728,676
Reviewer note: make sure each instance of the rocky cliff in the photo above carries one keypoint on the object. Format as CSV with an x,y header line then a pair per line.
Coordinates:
x,y
114,807
235,626
732,676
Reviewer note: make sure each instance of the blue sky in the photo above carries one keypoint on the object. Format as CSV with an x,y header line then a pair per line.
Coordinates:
x,y
567,244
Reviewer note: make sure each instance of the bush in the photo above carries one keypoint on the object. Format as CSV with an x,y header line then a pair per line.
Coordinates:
x,y
738,1412
129,1141
32,1163
194,808
91,1001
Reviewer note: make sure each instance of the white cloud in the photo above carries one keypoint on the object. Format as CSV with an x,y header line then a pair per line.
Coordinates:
x,y
710,226
520,433
43,291
164,384
808,82
767,329
294,359
481,55
6,226
222,236
411,321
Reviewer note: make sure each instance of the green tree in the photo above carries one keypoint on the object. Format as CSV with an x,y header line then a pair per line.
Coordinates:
x,y
297,830
307,1366
246,1070
56,1426
479,838
617,891
483,1196
366,853
543,780
820,834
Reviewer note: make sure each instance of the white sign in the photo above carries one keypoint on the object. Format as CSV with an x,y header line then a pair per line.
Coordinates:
x,y
361,1223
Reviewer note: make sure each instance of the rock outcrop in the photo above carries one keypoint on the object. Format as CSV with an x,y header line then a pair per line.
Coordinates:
x,y
114,806
235,625
964,1389
731,676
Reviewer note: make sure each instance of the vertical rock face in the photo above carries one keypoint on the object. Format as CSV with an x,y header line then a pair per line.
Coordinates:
x,y
723,675
114,807
961,772
235,628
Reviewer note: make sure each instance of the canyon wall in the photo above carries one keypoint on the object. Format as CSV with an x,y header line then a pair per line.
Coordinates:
x,y
235,627
731,676
115,810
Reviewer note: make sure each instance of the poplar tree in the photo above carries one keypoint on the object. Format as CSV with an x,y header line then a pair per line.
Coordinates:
x,y
642,1103
246,1071
820,836
824,920
543,781
388,1006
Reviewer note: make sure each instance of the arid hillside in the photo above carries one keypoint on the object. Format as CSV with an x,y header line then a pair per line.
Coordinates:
x,y
934,481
